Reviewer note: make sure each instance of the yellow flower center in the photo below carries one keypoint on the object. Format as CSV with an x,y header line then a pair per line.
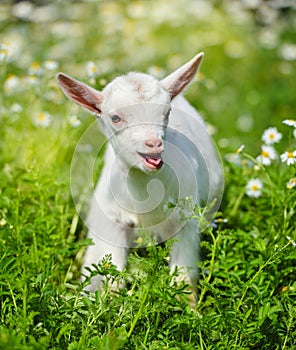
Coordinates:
x,y
265,154
254,188
271,136
290,155
35,65
4,52
93,69
41,117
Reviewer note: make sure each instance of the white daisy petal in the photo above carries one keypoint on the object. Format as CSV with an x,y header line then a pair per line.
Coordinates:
x,y
271,136
253,188
288,157
267,155
92,70
51,65
290,122
42,119
74,121
291,183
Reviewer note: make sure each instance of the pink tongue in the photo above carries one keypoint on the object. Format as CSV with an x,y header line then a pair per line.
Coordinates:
x,y
154,161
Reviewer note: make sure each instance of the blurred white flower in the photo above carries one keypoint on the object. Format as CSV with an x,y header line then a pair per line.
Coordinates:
x,y
291,183
234,49
16,108
267,155
42,119
51,64
35,69
245,123
215,223
268,38
136,9
291,241
211,129
289,157
234,158
240,149
224,142
31,80
290,122
5,52
74,121
12,83
271,136
288,52
103,82
91,68
156,72
266,14
251,4
22,10
254,187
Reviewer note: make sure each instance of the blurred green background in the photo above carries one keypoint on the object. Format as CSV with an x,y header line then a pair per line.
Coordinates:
x,y
247,79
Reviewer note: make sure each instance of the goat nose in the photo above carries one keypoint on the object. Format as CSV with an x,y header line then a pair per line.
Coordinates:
x,y
154,143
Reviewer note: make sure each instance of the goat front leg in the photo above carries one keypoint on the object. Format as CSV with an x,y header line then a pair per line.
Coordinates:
x,y
185,256
108,237
95,253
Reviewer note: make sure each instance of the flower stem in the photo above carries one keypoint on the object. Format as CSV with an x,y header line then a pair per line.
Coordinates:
x,y
138,315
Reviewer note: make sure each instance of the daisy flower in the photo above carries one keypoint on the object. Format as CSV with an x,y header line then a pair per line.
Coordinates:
x,y
91,69
16,108
156,71
102,82
290,122
5,51
12,83
240,149
51,65
271,136
253,188
35,69
74,121
42,119
291,241
289,157
218,221
291,183
32,80
267,155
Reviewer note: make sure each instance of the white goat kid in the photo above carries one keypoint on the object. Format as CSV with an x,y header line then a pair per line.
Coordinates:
x,y
158,152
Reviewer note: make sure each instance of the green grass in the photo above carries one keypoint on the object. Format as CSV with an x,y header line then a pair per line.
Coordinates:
x,y
247,285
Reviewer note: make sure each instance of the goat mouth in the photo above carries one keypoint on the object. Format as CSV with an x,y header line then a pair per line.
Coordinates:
x,y
151,161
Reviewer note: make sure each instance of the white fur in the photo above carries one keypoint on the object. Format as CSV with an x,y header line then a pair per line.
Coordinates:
x,y
129,196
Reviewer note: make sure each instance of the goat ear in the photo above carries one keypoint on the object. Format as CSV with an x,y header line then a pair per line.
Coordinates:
x,y
81,93
180,78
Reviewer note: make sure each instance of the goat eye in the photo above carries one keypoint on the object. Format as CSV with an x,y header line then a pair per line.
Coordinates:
x,y
115,119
